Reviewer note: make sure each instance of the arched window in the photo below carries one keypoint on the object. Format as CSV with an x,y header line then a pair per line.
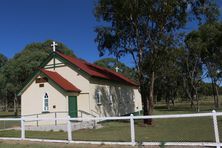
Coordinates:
x,y
46,102
98,97
110,95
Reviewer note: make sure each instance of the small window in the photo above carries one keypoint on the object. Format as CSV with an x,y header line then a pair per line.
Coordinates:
x,y
46,102
111,99
41,85
98,97
41,80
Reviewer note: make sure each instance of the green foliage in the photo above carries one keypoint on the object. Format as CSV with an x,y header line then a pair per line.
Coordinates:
x,y
112,63
147,30
21,66
3,60
206,43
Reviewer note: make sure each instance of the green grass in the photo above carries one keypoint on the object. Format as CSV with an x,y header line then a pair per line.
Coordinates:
x,y
186,129
7,114
112,131
189,129
28,144
183,129
9,124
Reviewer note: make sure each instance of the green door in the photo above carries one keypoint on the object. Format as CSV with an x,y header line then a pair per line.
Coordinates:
x,y
73,110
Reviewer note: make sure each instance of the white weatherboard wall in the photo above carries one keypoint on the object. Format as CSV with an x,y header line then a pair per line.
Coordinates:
x,y
125,99
74,77
32,100
84,109
81,81
137,100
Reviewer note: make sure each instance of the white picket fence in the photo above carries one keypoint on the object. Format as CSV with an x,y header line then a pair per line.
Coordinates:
x,y
131,118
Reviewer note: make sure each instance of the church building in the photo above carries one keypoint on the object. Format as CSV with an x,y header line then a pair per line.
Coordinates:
x,y
64,85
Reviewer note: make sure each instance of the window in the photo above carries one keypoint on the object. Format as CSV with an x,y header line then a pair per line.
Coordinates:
x,y
41,85
46,102
41,80
111,99
98,97
110,96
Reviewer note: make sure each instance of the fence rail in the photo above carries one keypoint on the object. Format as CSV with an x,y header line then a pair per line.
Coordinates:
x,y
36,116
131,118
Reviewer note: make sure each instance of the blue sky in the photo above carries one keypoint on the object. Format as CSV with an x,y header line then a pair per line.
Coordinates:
x,y
69,21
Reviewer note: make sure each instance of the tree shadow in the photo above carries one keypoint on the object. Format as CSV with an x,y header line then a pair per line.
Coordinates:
x,y
115,101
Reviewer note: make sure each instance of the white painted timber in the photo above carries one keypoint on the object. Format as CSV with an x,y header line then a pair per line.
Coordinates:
x,y
132,130
216,132
131,118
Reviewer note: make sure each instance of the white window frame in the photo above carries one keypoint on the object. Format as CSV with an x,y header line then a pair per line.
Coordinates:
x,y
45,108
110,96
98,97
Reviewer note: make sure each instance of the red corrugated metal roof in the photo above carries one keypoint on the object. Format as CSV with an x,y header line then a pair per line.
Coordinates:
x,y
62,82
97,71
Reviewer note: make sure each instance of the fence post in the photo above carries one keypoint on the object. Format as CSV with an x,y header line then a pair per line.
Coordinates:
x,y
216,132
132,130
22,128
69,129
37,121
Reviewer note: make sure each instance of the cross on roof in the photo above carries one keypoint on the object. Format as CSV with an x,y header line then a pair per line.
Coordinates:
x,y
54,44
117,69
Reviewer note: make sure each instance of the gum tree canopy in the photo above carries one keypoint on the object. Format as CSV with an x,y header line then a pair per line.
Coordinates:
x,y
142,29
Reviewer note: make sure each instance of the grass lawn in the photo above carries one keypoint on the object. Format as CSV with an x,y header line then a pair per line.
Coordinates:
x,y
189,129
182,130
9,124
28,144
7,114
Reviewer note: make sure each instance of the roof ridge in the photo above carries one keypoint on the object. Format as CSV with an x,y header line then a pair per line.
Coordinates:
x,y
98,71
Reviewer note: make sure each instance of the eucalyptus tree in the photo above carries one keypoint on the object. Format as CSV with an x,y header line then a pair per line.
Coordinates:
x,y
211,35
141,28
192,71
3,60
168,75
207,39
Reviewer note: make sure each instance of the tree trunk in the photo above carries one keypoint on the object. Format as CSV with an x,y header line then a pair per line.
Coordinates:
x,y
214,93
168,104
173,102
6,102
15,106
168,101
144,102
193,98
217,104
191,103
197,101
150,99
